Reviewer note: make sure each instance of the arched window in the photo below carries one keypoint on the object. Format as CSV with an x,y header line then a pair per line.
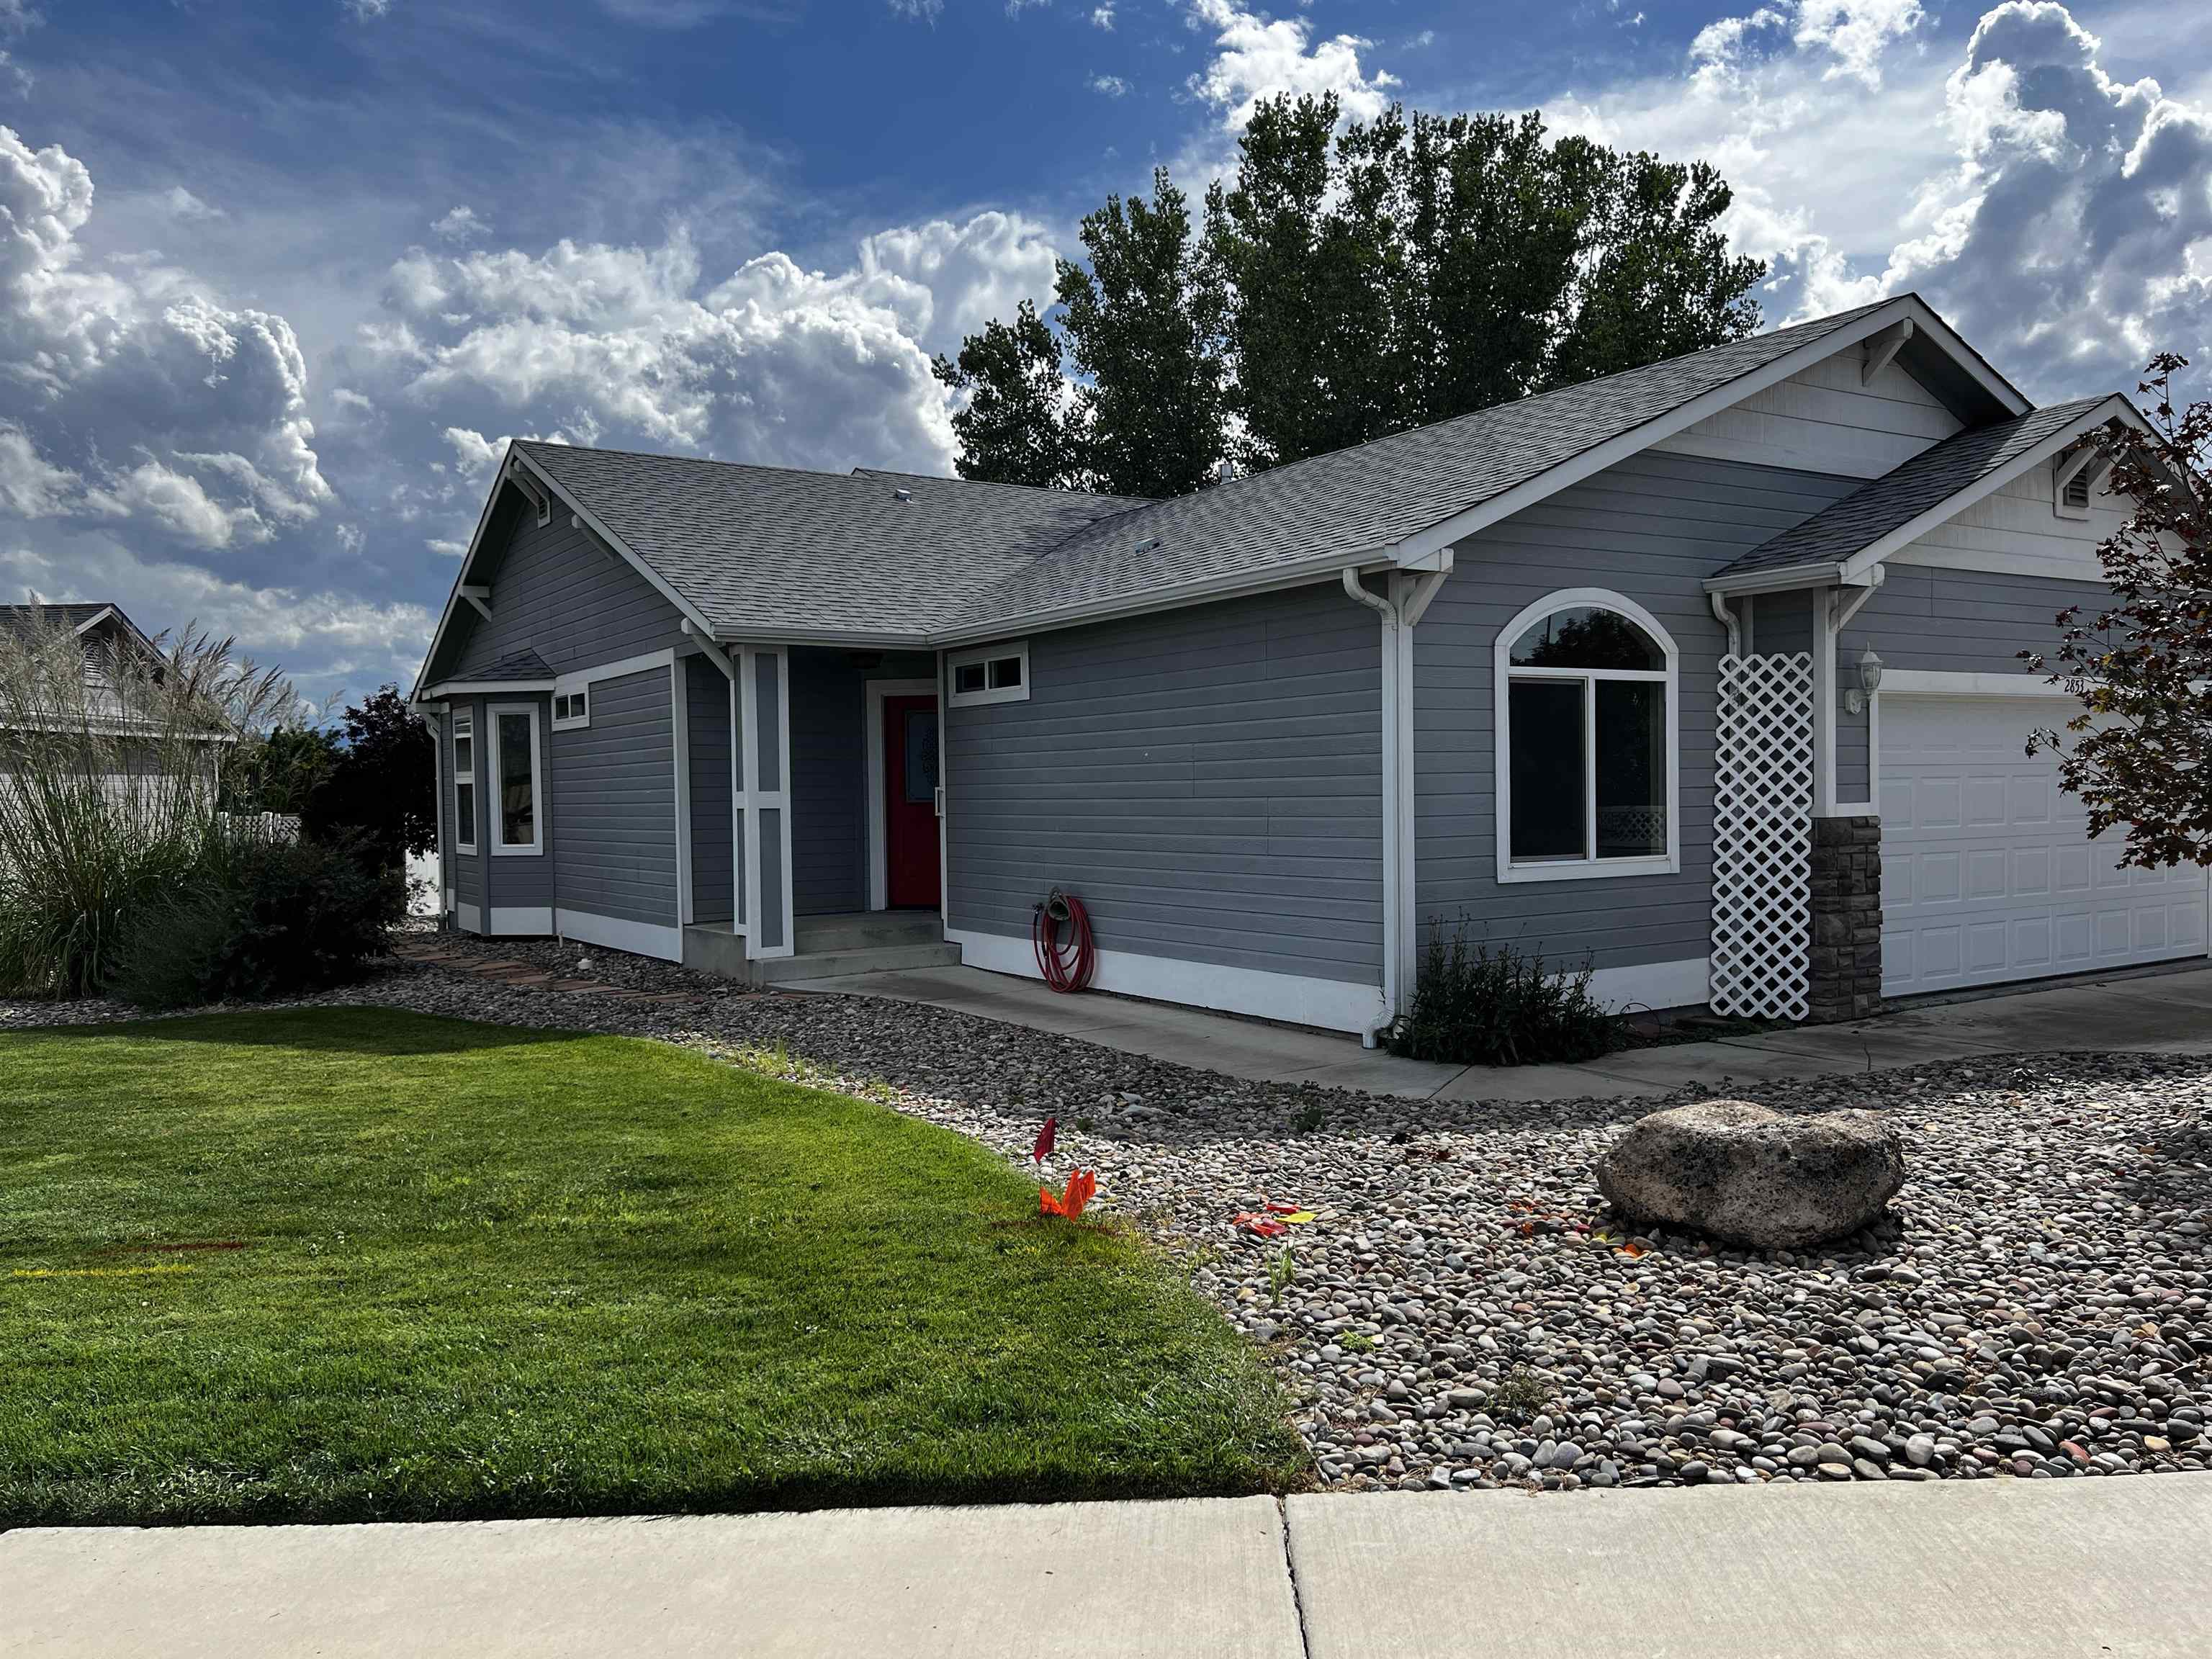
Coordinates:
x,y
1588,722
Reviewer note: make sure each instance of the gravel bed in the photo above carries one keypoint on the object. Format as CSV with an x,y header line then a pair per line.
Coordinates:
x,y
1466,1312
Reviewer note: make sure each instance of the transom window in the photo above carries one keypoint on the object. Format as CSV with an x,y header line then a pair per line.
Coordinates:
x,y
1586,786
571,709
996,673
464,783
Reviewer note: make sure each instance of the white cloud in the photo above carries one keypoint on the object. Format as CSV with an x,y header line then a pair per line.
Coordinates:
x,y
925,11
2061,217
1111,86
1102,17
167,406
31,486
365,10
774,363
460,224
1256,57
183,204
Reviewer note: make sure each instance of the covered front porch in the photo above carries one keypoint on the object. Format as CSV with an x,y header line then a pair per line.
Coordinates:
x,y
814,801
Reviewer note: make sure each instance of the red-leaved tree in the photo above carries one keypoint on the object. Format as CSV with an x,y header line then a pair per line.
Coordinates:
x,y
2137,753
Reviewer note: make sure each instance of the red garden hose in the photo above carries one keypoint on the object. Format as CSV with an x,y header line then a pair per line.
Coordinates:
x,y
1065,966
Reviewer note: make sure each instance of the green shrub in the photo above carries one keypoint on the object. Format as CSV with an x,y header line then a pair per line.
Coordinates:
x,y
1486,1005
260,920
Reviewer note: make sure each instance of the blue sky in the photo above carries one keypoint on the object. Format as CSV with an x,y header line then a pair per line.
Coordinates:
x,y
276,279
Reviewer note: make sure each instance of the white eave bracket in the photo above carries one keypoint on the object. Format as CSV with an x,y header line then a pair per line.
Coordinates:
x,y
479,595
1881,348
519,476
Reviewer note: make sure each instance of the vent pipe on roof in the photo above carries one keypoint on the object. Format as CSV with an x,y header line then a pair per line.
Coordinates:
x,y
1226,471
902,494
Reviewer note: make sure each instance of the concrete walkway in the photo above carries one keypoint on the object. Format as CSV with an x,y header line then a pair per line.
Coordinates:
x,y
2167,1010
2016,1569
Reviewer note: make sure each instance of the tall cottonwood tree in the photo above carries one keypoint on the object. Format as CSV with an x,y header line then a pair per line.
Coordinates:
x,y
1351,281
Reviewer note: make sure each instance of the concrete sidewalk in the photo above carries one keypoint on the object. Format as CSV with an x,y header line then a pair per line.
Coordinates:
x,y
1983,1569
2163,1011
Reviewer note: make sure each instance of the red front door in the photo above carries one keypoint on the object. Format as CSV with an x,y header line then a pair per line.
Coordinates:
x,y
910,803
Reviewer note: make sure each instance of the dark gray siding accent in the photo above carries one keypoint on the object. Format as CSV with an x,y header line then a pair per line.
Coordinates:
x,y
519,878
707,692
1652,529
1782,624
468,868
1854,782
614,804
1965,621
1207,780
560,592
829,755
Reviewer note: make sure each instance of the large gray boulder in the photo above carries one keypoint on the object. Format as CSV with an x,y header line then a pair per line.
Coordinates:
x,y
1743,1173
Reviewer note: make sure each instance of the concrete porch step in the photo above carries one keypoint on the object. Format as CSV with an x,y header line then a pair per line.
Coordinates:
x,y
829,964
866,930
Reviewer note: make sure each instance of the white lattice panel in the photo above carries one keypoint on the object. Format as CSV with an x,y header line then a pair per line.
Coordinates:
x,y
1763,837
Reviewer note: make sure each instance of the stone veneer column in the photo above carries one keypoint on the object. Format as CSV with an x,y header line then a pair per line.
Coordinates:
x,y
1846,973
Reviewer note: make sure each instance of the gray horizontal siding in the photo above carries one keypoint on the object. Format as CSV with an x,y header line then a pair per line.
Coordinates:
x,y
1972,621
558,591
708,694
517,879
1207,780
614,804
1652,529
829,735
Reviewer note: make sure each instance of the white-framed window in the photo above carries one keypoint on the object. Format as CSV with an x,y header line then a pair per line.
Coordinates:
x,y
572,708
991,673
518,793
1588,740
464,783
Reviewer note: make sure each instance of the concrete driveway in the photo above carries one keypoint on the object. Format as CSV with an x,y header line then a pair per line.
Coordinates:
x,y
2167,1010
1998,1569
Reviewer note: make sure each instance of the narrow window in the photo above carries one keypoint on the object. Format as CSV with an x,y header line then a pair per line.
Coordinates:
x,y
1586,752
996,673
517,797
464,783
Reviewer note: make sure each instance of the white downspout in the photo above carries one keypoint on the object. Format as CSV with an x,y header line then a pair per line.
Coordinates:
x,y
1356,589
1728,621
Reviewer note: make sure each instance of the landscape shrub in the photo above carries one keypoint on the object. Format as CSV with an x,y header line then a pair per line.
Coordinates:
x,y
112,762
1489,1005
259,919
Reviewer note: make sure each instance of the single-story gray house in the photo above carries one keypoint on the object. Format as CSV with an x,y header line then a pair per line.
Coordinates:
x,y
1703,675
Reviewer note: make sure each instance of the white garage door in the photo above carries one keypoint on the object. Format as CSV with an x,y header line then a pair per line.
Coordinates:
x,y
1988,872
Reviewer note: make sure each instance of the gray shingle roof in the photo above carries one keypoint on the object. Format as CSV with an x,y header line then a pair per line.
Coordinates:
x,y
780,551
1903,493
1373,495
523,665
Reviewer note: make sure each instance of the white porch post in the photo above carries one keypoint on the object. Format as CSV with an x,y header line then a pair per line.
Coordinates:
x,y
764,803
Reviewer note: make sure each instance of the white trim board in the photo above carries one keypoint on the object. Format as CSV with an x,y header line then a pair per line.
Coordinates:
x,y
1328,1004
468,917
535,846
874,781
529,920
1683,984
1939,683
643,938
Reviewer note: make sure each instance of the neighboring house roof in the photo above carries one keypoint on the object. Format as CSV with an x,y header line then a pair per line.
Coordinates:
x,y
77,617
1931,482
886,558
772,550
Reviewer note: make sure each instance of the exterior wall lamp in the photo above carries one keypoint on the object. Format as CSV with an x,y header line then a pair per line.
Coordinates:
x,y
1854,701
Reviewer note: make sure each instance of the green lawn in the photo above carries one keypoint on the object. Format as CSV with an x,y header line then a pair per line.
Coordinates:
x,y
484,1271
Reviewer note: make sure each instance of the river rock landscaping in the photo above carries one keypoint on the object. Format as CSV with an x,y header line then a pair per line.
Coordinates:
x,y
1465,1311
